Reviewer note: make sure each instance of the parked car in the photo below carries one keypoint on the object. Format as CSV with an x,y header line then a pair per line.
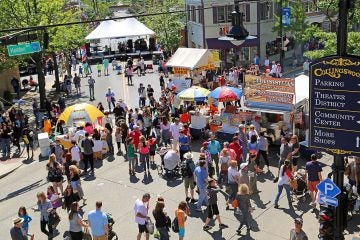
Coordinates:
x,y
27,68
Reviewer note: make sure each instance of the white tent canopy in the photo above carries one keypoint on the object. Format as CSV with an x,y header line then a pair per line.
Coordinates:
x,y
190,58
129,27
106,29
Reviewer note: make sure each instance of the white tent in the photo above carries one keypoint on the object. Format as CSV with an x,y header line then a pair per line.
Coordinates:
x,y
301,89
129,27
190,58
106,29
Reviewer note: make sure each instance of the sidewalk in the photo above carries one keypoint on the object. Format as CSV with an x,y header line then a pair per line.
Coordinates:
x,y
10,165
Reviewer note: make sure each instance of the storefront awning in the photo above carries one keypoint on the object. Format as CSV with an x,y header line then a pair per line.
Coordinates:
x,y
190,58
215,43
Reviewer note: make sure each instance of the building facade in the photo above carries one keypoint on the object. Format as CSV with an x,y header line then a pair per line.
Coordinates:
x,y
207,20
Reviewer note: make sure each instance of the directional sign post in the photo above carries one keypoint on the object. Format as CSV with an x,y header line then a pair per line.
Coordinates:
x,y
335,105
23,48
328,200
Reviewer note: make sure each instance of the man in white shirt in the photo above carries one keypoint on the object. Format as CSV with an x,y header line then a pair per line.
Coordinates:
x,y
170,84
75,152
141,215
175,132
79,133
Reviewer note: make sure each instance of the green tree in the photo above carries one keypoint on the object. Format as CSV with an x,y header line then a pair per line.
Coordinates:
x,y
330,47
167,27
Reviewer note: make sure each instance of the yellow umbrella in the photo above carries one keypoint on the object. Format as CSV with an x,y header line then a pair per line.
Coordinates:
x,y
82,112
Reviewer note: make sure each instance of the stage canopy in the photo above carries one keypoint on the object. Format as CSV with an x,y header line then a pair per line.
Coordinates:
x,y
129,27
190,58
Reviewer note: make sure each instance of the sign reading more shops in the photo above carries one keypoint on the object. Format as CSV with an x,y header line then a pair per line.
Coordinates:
x,y
335,105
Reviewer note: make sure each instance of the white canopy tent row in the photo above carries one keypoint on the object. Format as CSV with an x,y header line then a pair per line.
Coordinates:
x,y
110,29
190,58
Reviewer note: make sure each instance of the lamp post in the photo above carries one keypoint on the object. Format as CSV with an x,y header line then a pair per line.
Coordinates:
x,y
281,37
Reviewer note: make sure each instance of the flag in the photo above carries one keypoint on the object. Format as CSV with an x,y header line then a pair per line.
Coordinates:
x,y
83,53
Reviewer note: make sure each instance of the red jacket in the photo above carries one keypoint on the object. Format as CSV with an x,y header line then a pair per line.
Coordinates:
x,y
238,150
136,136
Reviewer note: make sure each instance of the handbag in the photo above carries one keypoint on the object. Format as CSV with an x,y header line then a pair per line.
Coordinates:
x,y
235,203
54,218
175,225
150,226
293,183
86,234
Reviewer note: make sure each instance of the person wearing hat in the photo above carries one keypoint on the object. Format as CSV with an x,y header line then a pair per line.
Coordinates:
x,y
188,176
244,174
15,231
297,233
253,170
313,172
253,131
284,178
141,209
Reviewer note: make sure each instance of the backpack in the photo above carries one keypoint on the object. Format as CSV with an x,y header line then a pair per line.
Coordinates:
x,y
175,225
186,170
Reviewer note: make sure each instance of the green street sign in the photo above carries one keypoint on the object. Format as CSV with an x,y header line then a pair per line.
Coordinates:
x,y
23,48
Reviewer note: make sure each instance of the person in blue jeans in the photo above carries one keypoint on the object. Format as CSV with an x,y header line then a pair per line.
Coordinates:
x,y
284,176
201,181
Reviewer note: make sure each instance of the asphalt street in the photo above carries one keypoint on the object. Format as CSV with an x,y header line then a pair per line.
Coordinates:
x,y
112,185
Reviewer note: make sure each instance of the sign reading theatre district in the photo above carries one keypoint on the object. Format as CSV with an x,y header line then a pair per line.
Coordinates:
x,y
335,105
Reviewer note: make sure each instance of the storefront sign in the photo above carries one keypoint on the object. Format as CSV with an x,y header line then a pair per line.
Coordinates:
x,y
335,105
216,56
269,90
235,119
180,71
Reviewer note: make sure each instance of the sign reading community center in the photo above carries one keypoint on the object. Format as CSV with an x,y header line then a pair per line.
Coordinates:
x,y
335,105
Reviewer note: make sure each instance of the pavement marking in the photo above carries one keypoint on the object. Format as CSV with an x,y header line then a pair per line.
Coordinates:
x,y
100,184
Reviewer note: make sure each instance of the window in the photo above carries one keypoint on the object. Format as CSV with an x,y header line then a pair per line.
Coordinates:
x,y
265,10
201,15
188,13
193,14
245,10
221,14
229,9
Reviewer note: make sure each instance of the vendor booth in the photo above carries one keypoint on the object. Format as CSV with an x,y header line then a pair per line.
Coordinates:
x,y
281,103
188,65
75,116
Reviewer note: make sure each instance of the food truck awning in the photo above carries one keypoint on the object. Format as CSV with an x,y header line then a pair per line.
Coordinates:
x,y
190,58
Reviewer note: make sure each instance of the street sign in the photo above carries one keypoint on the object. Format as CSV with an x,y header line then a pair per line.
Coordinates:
x,y
335,105
328,200
23,48
286,16
328,188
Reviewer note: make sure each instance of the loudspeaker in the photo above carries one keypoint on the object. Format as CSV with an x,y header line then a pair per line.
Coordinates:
x,y
152,43
87,46
130,44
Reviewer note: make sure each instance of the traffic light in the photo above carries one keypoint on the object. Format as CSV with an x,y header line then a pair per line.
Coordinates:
x,y
327,223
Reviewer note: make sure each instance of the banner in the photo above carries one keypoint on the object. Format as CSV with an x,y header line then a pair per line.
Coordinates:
x,y
216,56
235,119
286,16
269,90
180,71
181,83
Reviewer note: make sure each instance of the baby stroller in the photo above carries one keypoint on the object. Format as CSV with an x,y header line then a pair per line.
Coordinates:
x,y
300,187
170,161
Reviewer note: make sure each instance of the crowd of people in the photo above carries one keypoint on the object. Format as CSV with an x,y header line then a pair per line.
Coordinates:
x,y
229,167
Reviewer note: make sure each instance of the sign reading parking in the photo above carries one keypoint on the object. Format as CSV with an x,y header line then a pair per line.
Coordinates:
x,y
328,188
335,105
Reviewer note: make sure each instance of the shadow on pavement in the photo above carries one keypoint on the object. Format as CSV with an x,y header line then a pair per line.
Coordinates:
x,y
174,182
24,190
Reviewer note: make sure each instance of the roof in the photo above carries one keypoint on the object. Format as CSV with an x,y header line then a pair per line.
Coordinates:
x,y
190,58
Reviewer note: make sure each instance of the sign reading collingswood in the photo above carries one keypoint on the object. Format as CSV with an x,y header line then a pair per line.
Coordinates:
x,y
335,105
269,90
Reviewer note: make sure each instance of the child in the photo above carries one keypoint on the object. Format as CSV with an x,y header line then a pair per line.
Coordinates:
x,y
118,138
152,144
131,157
25,226
224,165
212,208
81,71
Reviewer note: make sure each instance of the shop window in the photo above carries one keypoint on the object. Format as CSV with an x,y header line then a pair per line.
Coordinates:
x,y
229,9
193,14
201,15
188,12
265,10
220,14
